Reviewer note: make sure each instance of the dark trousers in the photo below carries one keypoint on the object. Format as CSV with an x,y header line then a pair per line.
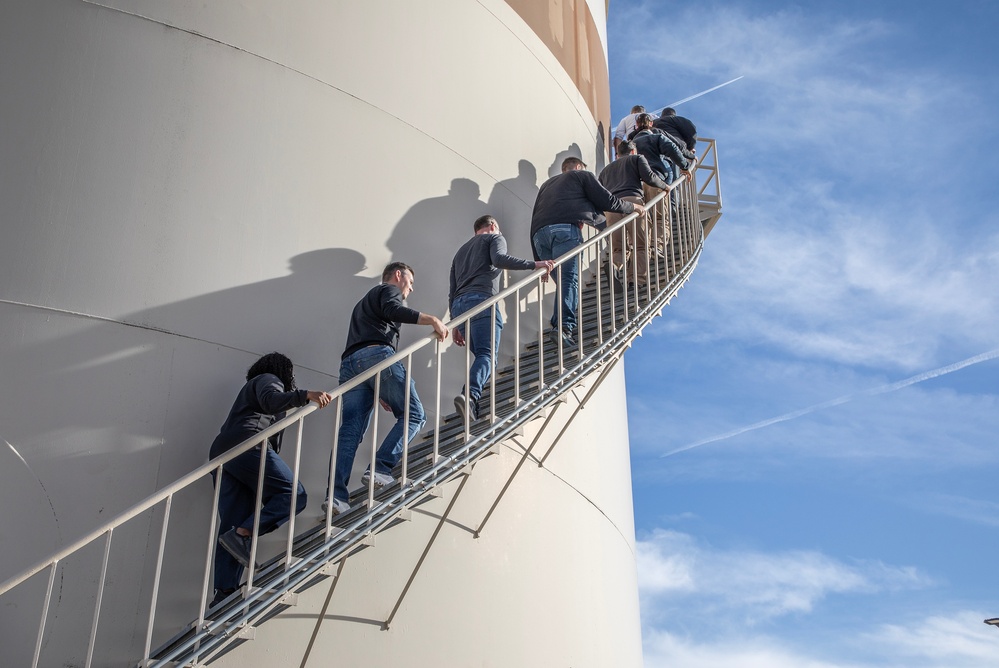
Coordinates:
x,y
237,499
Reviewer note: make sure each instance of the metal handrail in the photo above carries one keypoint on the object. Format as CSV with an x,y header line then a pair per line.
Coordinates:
x,y
369,522
259,605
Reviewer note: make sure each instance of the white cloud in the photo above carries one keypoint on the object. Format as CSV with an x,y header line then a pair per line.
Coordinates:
x,y
676,572
839,238
705,608
921,428
955,640
976,511
665,649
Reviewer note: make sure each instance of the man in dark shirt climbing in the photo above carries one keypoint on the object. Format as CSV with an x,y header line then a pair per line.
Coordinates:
x,y
373,337
475,274
625,178
565,203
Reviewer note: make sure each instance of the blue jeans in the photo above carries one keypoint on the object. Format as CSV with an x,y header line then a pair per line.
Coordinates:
x,y
553,241
357,407
478,340
237,499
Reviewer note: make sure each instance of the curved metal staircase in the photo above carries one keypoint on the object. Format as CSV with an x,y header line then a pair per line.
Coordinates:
x,y
533,386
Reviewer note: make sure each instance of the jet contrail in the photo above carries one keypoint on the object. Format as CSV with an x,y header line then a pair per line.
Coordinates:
x,y
891,387
695,95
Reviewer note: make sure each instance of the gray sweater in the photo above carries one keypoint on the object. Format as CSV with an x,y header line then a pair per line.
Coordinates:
x,y
477,266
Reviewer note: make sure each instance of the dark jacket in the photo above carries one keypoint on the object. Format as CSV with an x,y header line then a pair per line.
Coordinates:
x,y
656,148
477,266
624,176
377,317
260,403
680,127
680,144
575,198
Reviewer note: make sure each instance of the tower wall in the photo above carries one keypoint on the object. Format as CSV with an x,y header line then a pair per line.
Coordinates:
x,y
189,185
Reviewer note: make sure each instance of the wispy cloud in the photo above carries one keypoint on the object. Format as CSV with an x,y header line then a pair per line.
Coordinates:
x,y
763,416
663,648
889,387
838,241
958,641
976,511
953,640
813,279
707,608
676,570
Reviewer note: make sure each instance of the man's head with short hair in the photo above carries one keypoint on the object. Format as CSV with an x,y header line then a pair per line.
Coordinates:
x,y
626,148
393,267
637,109
643,121
484,222
668,111
400,275
572,164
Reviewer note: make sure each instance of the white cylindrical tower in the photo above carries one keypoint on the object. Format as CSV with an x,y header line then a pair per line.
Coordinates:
x,y
189,185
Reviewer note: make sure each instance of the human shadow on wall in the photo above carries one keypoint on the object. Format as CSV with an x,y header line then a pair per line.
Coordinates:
x,y
572,151
103,412
103,425
601,160
511,202
430,230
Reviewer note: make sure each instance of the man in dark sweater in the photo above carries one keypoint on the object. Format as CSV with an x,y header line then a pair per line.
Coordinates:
x,y
373,337
475,274
678,126
624,178
661,151
565,203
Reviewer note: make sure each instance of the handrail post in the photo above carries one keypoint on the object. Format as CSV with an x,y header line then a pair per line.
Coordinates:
x,y
438,353
611,277
516,350
466,395
405,416
376,400
493,354
600,305
296,469
337,421
45,614
559,297
213,545
541,335
255,534
100,598
156,579
579,299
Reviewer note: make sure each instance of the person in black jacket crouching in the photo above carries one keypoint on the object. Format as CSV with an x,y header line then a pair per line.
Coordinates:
x,y
269,392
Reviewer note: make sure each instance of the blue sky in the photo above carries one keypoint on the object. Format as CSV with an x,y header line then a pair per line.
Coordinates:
x,y
820,511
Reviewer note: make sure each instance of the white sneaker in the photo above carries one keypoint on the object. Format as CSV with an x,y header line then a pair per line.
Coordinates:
x,y
338,506
381,479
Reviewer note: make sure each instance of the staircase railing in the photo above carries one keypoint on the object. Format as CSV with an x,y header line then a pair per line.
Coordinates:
x,y
610,316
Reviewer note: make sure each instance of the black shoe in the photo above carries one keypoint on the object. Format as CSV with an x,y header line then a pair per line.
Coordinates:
x,y
238,546
619,280
220,596
568,340
568,337
473,408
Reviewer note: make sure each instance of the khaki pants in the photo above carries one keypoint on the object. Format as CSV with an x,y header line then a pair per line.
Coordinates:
x,y
660,217
631,245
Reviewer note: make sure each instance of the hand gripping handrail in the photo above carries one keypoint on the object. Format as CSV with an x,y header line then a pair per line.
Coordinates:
x,y
257,602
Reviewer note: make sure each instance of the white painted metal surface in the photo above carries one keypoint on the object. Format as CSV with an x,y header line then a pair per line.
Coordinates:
x,y
186,187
